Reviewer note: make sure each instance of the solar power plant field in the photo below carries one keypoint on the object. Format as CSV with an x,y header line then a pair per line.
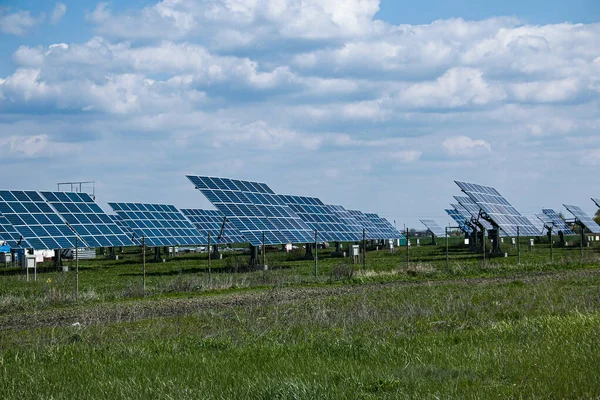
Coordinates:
x,y
383,317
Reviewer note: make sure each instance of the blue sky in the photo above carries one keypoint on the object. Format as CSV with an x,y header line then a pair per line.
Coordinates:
x,y
377,106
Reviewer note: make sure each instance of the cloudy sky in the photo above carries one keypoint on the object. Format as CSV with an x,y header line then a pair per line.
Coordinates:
x,y
375,105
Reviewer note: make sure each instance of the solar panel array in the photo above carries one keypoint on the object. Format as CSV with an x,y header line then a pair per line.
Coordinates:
x,y
124,227
371,230
254,208
460,219
33,218
9,234
433,227
88,220
384,226
539,225
558,224
159,224
318,217
473,209
211,221
348,219
583,218
506,217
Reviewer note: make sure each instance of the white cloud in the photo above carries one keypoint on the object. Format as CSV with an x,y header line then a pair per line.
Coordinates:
x,y
59,11
18,23
33,146
464,146
406,156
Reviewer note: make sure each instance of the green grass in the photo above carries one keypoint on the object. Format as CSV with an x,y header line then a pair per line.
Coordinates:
x,y
499,330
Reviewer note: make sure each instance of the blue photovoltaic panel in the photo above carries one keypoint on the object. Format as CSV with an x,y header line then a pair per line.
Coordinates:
x,y
558,224
384,226
254,209
371,230
535,221
124,227
433,227
473,209
9,234
354,227
211,221
159,224
583,218
88,220
36,221
497,208
314,213
460,219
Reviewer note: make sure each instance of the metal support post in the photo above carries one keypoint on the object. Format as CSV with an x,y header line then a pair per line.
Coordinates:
x,y
144,263
447,261
209,253
364,250
407,248
316,257
76,267
518,245
483,243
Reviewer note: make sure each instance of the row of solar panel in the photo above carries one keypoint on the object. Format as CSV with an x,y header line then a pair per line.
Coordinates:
x,y
51,220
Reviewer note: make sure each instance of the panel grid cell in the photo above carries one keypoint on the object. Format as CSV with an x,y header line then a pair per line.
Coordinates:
x,y
474,210
372,232
88,220
254,209
433,227
535,221
9,234
33,218
583,218
498,209
159,224
557,223
211,221
354,227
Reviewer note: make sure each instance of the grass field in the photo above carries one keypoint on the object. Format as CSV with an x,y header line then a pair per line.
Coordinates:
x,y
393,330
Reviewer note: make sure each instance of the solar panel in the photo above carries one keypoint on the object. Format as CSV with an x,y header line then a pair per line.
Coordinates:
x,y
211,221
354,227
34,220
318,217
9,234
124,227
433,227
558,224
159,224
385,226
535,221
88,220
254,209
460,219
596,201
474,210
371,231
504,215
583,218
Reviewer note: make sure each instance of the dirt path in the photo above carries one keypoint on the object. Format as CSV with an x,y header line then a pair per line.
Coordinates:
x,y
158,308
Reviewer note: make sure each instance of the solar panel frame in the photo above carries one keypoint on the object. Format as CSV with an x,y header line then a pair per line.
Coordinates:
x,y
354,227
87,219
466,203
433,227
211,221
36,221
10,235
535,221
497,208
255,210
583,218
559,225
596,201
124,227
371,230
159,224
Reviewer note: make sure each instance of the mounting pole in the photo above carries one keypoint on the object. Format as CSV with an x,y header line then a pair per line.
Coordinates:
x,y
316,257
76,267
518,245
447,261
209,270
581,241
144,263
364,250
407,248
263,251
483,242
551,245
